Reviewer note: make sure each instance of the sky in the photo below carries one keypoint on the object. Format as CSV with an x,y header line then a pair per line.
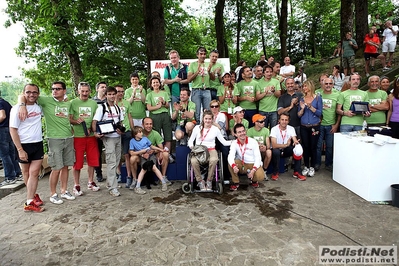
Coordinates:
x,y
10,63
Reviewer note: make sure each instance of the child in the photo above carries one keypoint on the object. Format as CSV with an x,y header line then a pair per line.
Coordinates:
x,y
142,146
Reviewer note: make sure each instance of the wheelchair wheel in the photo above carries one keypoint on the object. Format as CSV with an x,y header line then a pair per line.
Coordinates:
x,y
220,187
188,167
186,187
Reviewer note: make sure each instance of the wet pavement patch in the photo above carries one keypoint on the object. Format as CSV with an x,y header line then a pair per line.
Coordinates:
x,y
268,202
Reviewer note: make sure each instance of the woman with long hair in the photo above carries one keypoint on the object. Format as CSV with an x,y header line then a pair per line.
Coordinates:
x,y
226,97
393,113
157,101
310,111
206,134
338,77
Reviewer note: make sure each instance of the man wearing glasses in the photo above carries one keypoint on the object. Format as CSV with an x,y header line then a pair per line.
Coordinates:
x,y
329,123
261,134
59,138
244,158
27,137
81,117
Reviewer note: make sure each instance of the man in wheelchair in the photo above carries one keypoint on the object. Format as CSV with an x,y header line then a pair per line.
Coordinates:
x,y
244,158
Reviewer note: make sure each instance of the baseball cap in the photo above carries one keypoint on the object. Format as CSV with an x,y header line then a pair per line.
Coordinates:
x,y
226,73
258,117
237,109
297,152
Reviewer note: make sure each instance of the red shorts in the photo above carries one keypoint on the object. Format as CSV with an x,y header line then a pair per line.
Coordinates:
x,y
88,145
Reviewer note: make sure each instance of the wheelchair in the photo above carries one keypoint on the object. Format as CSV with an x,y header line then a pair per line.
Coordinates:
x,y
191,186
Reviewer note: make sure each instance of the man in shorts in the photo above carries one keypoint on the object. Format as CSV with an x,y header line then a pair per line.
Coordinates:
x,y
389,41
81,117
348,57
59,138
27,137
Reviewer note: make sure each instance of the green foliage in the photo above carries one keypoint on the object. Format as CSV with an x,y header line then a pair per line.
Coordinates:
x,y
11,89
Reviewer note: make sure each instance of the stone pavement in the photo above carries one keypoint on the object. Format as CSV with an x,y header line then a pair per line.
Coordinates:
x,y
281,223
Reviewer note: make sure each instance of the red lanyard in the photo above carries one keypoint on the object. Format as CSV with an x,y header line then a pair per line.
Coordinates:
x,y
243,150
283,136
203,138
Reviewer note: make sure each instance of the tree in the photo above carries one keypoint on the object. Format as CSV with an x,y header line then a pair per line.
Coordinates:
x,y
361,21
283,26
154,22
346,17
219,28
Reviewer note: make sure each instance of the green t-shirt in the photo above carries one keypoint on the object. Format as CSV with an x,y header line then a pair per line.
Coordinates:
x,y
348,49
244,122
125,107
191,108
155,138
378,117
282,84
260,136
228,102
346,98
216,83
85,110
154,97
202,79
269,102
137,106
57,117
329,108
245,88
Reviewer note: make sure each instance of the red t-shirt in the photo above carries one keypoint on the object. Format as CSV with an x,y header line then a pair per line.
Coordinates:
x,y
371,48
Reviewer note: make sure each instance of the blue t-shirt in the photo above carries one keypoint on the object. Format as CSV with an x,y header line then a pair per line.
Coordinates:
x,y
138,145
6,106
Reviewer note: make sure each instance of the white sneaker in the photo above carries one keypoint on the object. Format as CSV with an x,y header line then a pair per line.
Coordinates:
x,y
67,196
55,199
209,185
201,185
167,180
77,191
138,190
114,192
311,172
164,187
266,177
93,186
305,171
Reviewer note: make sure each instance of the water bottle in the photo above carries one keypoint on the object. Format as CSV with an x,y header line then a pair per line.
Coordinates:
x,y
364,126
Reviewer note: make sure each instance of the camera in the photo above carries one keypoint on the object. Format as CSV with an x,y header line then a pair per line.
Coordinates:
x,y
120,126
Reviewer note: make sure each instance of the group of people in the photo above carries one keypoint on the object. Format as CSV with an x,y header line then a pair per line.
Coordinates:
x,y
262,115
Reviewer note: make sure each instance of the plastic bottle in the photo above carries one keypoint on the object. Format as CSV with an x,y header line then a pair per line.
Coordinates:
x,y
364,126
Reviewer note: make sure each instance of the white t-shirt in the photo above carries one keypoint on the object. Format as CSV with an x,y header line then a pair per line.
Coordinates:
x,y
389,36
221,120
30,130
301,78
208,137
287,69
111,113
282,136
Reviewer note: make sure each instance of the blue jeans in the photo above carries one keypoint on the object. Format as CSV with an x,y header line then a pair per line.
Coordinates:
x,y
200,97
271,118
284,153
175,99
7,154
349,128
248,115
329,137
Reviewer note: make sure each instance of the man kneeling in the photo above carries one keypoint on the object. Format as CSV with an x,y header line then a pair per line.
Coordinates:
x,y
244,158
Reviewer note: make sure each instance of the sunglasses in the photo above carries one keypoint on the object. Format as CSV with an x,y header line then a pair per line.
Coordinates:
x,y
262,121
214,106
32,92
56,89
327,83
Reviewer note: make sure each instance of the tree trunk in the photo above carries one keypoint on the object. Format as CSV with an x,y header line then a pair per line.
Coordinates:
x,y
219,27
239,18
283,27
361,21
262,30
346,17
154,23
75,68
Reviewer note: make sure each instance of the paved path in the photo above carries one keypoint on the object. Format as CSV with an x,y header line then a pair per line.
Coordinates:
x,y
281,223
